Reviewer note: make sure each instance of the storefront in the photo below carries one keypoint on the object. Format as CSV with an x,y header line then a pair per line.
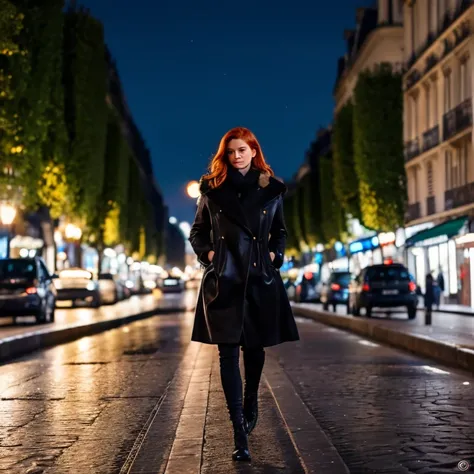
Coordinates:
x,y
434,251
363,253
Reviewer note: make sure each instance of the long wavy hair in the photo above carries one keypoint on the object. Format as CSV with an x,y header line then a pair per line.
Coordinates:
x,y
218,166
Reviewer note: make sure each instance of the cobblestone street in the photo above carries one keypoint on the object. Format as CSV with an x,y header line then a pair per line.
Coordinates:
x,y
142,399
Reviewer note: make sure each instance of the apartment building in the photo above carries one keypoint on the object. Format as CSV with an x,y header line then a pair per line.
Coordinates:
x,y
438,54
377,38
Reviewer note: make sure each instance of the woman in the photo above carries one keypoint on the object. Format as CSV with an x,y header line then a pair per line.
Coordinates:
x,y
239,237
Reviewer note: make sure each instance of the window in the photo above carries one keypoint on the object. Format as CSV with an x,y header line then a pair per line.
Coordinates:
x,y
414,116
465,79
429,176
428,106
456,163
447,91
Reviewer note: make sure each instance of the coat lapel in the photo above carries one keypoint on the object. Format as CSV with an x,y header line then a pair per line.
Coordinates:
x,y
229,204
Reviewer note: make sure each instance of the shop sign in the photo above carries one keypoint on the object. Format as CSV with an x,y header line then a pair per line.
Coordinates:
x,y
440,239
364,245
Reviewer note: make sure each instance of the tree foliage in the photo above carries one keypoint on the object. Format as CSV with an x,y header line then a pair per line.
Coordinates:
x,y
346,184
311,214
292,242
331,211
14,73
86,113
378,148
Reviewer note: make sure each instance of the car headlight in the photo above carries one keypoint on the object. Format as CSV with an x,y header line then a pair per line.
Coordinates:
x,y
90,286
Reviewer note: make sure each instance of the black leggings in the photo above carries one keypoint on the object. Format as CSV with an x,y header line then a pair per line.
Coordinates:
x,y
254,358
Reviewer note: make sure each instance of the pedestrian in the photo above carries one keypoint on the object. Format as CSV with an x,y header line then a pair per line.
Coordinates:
x,y
441,287
239,236
430,297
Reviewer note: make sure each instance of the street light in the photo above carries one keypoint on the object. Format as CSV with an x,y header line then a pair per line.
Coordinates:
x,y
193,189
7,216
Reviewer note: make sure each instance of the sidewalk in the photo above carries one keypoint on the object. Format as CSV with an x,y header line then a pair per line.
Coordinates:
x,y
450,338
190,431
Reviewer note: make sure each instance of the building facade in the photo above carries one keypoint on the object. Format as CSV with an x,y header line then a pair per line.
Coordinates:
x,y
438,85
377,38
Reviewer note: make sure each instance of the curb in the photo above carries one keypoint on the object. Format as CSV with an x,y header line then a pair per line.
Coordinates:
x,y
15,346
448,353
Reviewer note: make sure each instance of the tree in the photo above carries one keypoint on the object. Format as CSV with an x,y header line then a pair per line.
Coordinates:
x,y
85,77
332,213
311,213
378,148
292,243
14,73
345,178
297,214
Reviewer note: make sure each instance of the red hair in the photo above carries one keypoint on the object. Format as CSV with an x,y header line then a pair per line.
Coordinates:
x,y
218,167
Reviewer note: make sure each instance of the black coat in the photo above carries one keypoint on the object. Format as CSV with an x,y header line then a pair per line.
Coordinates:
x,y
222,309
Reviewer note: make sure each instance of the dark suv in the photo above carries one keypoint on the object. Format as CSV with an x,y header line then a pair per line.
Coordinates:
x,y
335,291
383,286
26,289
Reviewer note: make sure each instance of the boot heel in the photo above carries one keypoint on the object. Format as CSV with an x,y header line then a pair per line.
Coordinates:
x,y
241,452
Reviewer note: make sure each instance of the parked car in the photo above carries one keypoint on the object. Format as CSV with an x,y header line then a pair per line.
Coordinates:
x,y
383,286
172,284
26,289
77,284
108,288
307,289
336,290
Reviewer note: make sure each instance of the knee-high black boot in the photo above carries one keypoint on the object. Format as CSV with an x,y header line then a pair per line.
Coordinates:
x,y
232,386
254,359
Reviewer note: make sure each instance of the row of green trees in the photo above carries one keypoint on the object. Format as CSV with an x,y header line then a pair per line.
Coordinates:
x,y
363,176
61,142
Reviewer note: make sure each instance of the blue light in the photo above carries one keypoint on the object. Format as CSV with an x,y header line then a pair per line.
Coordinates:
x,y
375,241
356,247
338,246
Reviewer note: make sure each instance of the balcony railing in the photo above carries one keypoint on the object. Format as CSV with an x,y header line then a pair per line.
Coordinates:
x,y
413,212
431,138
412,149
430,205
457,119
459,196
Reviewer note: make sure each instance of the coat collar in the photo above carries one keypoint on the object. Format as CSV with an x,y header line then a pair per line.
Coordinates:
x,y
270,188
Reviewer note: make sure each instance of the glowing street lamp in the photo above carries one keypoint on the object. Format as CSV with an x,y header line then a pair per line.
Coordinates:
x,y
7,214
193,189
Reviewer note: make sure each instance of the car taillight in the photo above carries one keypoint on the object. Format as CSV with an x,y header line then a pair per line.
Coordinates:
x,y
31,291
412,286
335,287
366,287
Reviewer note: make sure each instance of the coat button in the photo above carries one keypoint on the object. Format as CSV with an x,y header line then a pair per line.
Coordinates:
x,y
254,264
255,238
220,210
265,212
222,237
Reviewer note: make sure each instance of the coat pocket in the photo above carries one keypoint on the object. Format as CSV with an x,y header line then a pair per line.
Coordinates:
x,y
220,257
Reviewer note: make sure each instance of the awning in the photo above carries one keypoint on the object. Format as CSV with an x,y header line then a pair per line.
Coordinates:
x,y
438,234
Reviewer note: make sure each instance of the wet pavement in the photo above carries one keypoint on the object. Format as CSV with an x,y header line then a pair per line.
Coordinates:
x,y
83,315
141,398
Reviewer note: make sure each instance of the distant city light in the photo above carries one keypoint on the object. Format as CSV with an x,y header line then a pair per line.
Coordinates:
x,y
173,220
185,228
193,189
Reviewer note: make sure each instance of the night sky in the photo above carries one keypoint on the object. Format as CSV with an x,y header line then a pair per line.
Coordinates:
x,y
192,69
